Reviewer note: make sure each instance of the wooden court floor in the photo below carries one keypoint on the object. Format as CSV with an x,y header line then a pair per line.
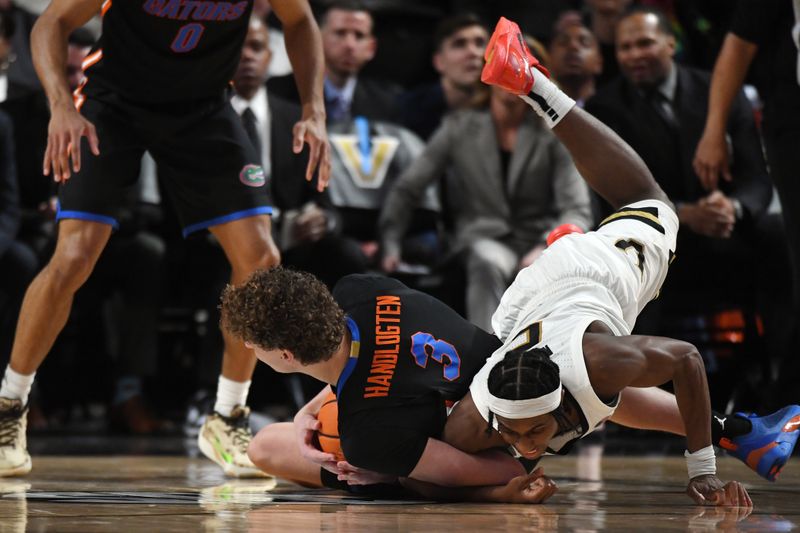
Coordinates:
x,y
155,494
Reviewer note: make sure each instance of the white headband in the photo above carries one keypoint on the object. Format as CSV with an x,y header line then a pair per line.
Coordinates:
x,y
517,409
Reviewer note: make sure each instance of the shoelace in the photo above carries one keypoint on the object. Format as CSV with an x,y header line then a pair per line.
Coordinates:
x,y
9,427
239,431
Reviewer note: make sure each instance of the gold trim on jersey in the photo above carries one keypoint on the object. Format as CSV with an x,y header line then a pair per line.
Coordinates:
x,y
648,215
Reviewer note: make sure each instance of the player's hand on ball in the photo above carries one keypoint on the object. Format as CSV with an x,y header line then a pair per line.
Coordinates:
x,y
305,426
359,476
312,131
532,488
710,490
64,134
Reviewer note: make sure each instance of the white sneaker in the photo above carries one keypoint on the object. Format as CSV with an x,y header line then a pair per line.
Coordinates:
x,y
237,494
224,440
14,457
14,505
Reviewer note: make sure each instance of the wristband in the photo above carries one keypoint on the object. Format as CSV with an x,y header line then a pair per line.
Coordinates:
x,y
560,231
701,463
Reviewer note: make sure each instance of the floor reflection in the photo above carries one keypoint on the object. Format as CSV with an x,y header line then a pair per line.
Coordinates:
x,y
597,493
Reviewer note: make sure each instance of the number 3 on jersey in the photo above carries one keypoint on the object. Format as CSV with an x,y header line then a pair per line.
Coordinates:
x,y
424,346
187,38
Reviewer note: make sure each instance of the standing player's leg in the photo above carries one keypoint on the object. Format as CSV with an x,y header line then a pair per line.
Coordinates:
x,y
211,170
248,245
44,312
608,164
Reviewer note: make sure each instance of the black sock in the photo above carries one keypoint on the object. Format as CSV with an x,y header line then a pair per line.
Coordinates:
x,y
728,426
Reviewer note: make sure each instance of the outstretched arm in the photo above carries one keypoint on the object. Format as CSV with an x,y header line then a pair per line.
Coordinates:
x,y
527,488
447,474
614,363
445,465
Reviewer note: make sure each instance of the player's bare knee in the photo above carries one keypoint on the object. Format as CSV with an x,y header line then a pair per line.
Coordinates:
x,y
264,256
71,267
256,454
270,446
259,449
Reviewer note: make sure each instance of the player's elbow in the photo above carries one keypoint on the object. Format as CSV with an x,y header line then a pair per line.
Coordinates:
x,y
51,25
687,359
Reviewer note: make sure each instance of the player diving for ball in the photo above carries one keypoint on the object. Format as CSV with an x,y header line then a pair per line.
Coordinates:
x,y
568,361
394,356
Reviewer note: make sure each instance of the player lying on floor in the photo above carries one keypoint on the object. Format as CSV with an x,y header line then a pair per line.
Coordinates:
x,y
393,382
568,361
391,404
399,355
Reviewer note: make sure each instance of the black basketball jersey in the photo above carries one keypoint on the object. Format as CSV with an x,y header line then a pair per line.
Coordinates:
x,y
410,356
167,50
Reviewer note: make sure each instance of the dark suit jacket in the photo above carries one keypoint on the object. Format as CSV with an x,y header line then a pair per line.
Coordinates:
x,y
9,202
669,155
422,109
373,99
30,115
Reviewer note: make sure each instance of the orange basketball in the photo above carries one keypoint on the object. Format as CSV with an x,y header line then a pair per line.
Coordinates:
x,y
328,433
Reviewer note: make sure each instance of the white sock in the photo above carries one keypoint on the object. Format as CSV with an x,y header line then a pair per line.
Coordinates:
x,y
549,102
230,394
16,386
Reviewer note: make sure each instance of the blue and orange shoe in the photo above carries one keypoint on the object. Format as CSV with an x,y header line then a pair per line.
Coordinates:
x,y
768,446
508,59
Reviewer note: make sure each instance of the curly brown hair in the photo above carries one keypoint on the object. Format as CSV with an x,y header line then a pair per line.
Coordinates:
x,y
283,309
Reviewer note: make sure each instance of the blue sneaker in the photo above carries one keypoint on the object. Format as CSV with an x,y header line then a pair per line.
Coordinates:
x,y
768,446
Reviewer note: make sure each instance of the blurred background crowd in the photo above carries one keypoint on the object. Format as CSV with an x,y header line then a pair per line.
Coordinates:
x,y
440,181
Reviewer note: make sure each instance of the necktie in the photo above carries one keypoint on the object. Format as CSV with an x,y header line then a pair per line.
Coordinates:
x,y
337,108
251,127
663,109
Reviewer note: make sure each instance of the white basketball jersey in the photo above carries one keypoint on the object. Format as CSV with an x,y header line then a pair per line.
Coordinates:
x,y
607,275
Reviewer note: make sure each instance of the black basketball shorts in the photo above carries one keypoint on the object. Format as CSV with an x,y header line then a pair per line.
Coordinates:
x,y
206,163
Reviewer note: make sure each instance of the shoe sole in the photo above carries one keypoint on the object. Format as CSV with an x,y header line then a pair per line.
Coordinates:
x,y
775,470
753,458
230,470
497,56
20,470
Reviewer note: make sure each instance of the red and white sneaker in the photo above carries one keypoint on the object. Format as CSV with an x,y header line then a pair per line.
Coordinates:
x,y
508,60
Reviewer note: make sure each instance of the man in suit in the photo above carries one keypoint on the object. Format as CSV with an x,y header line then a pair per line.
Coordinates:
x,y
349,44
660,107
307,224
509,184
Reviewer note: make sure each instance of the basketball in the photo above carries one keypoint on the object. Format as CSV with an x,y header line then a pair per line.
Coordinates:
x,y
328,433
